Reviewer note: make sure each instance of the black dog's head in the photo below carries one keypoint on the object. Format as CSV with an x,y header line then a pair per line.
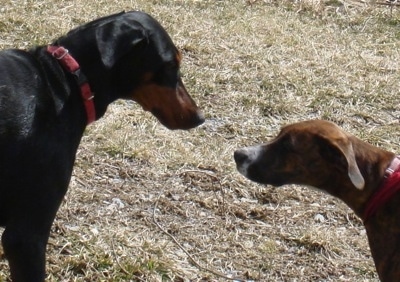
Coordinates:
x,y
142,64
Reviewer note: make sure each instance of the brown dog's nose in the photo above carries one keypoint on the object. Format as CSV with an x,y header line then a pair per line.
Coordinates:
x,y
240,156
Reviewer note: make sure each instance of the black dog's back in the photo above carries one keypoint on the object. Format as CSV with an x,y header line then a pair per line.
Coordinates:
x,y
17,102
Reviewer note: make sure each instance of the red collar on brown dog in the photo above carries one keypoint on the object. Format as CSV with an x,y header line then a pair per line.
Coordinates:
x,y
390,186
71,65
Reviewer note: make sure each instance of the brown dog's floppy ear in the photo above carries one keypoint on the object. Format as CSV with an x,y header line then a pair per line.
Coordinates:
x,y
354,172
345,149
115,39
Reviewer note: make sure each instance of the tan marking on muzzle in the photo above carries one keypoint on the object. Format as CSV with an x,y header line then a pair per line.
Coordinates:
x,y
173,107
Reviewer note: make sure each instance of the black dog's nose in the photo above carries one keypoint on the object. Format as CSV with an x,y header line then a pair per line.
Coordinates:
x,y
240,156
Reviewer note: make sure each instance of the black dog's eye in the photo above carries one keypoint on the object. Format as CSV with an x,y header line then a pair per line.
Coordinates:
x,y
168,75
170,66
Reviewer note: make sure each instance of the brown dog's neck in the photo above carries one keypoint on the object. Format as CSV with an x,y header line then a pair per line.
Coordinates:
x,y
383,231
372,163
383,228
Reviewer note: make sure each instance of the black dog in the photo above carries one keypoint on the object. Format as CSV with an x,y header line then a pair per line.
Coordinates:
x,y
47,97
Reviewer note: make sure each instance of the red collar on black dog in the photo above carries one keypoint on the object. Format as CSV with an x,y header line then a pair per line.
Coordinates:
x,y
72,66
390,186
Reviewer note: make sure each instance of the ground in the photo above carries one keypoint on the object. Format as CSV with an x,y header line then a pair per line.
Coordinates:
x,y
148,204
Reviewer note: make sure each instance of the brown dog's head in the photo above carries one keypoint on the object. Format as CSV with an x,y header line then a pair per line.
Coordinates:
x,y
315,153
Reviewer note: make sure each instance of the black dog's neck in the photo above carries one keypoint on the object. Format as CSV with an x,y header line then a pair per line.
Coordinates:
x,y
96,75
72,66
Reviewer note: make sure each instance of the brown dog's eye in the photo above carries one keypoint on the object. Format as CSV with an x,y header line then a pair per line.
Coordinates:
x,y
286,143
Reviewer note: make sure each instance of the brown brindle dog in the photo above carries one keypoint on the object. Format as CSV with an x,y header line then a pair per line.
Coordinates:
x,y
320,154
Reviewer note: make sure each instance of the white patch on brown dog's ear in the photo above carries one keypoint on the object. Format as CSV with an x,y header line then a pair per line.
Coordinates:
x,y
353,171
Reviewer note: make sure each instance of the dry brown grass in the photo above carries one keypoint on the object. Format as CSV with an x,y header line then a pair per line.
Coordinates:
x,y
253,66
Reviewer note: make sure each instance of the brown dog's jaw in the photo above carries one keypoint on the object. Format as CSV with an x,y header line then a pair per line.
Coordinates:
x,y
245,157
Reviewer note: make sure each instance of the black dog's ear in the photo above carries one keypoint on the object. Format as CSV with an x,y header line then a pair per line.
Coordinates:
x,y
115,39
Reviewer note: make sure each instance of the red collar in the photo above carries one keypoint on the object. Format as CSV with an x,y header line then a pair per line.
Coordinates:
x,y
72,66
389,186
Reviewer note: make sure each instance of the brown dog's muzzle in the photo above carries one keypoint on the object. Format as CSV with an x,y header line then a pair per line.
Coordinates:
x,y
173,107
